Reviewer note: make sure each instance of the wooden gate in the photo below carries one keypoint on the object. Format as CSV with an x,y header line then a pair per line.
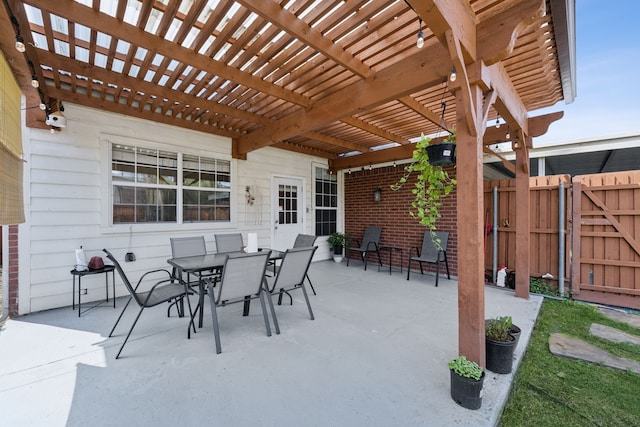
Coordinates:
x,y
606,238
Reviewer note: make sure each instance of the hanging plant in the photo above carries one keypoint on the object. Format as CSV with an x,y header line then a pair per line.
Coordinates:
x,y
433,184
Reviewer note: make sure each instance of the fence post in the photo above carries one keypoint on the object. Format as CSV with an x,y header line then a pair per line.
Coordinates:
x,y
561,238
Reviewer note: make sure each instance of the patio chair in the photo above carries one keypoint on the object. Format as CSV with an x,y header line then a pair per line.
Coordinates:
x,y
228,243
306,241
430,253
242,275
185,247
370,243
162,291
292,274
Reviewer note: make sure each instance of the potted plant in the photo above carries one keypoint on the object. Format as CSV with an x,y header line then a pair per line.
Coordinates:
x,y
499,344
467,378
337,241
433,184
444,153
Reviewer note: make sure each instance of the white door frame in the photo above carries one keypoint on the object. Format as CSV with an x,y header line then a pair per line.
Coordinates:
x,y
274,204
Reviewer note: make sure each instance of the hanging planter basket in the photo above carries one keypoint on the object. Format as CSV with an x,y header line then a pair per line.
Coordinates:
x,y
442,154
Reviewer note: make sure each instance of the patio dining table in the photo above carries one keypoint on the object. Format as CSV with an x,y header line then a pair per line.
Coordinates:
x,y
212,261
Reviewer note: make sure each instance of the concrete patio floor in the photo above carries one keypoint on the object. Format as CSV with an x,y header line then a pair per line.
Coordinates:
x,y
376,355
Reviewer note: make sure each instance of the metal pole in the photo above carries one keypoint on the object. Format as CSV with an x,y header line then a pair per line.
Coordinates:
x,y
561,237
495,233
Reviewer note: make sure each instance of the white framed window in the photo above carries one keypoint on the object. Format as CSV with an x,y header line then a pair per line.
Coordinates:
x,y
326,205
153,185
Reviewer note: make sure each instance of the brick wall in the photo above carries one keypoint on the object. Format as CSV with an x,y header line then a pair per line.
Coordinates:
x,y
392,213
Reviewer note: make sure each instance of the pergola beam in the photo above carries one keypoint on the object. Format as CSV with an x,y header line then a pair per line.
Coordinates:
x,y
91,18
418,71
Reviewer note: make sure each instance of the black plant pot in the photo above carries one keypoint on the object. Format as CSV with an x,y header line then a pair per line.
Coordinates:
x,y
466,392
514,331
500,355
337,250
442,154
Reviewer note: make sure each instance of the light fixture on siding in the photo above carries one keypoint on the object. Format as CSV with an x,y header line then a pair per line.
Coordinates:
x,y
377,195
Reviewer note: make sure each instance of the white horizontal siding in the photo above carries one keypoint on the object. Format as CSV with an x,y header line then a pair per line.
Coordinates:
x,y
65,192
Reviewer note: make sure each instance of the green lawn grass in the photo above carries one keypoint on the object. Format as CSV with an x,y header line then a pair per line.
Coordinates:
x,y
550,390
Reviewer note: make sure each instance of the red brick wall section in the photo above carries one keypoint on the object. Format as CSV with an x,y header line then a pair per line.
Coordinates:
x,y
392,214
12,271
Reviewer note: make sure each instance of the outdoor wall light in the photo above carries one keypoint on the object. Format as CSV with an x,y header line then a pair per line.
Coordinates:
x,y
377,195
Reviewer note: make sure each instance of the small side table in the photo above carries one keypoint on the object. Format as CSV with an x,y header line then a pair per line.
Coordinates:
x,y
80,274
391,250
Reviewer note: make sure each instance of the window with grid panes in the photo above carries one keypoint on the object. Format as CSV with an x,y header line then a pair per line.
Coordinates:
x,y
146,183
326,206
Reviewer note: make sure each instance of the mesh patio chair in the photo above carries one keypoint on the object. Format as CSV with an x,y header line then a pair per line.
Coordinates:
x,y
292,274
431,253
228,243
162,291
306,241
370,243
185,247
242,275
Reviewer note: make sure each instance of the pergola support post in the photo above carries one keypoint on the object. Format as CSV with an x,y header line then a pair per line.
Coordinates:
x,y
471,336
522,217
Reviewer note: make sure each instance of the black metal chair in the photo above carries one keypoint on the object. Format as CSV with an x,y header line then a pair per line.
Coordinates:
x,y
431,253
292,273
370,243
164,290
242,276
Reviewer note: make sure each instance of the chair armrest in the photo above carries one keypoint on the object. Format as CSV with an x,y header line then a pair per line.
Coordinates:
x,y
417,251
150,272
356,246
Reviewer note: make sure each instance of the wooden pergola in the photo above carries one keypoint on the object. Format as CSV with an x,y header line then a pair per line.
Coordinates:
x,y
340,80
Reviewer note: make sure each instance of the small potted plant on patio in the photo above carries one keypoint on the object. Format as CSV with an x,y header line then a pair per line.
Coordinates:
x,y
500,344
337,241
433,184
467,378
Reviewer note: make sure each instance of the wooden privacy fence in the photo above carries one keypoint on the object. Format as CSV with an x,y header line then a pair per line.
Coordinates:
x,y
606,238
544,244
600,230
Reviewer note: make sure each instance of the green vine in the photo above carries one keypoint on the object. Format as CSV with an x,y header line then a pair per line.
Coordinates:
x,y
433,184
